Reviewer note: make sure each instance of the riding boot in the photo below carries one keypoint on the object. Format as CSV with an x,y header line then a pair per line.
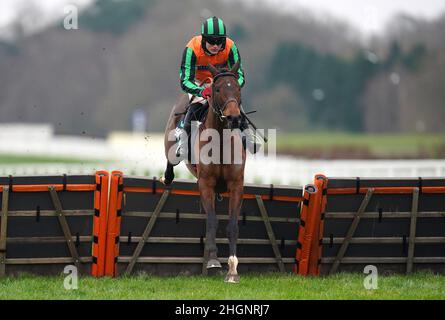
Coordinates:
x,y
181,136
250,141
194,112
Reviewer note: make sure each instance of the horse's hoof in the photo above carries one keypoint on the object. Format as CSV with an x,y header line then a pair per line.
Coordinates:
x,y
213,263
232,278
165,181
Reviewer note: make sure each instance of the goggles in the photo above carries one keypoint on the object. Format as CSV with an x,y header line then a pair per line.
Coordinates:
x,y
215,40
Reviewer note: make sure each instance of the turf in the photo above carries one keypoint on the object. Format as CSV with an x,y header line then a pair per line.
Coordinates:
x,y
19,159
380,145
270,286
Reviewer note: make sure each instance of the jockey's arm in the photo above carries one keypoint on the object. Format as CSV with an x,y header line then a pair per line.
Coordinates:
x,y
187,73
234,56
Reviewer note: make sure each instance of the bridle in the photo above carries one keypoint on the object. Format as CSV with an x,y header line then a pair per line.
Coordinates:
x,y
218,110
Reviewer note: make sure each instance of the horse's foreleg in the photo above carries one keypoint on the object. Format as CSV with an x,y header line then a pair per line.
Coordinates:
x,y
169,174
208,202
235,202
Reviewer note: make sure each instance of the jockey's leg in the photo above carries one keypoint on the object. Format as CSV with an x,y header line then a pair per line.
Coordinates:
x,y
194,113
250,140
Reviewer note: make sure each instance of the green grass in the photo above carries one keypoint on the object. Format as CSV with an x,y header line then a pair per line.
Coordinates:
x,y
270,286
18,159
377,144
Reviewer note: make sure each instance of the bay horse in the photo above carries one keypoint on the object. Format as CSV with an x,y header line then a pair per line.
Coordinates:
x,y
224,114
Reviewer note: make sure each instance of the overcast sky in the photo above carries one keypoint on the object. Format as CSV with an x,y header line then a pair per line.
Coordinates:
x,y
368,16
9,8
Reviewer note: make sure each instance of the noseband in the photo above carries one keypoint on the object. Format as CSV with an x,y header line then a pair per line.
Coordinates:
x,y
218,110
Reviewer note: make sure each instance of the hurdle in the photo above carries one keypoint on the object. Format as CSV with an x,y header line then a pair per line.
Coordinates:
x,y
161,230
48,222
397,225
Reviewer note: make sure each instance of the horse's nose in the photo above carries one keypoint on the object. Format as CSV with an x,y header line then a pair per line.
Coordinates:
x,y
234,122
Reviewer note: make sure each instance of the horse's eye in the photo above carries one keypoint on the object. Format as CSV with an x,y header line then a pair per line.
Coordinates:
x,y
217,90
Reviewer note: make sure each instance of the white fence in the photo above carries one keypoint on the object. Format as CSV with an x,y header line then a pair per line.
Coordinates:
x,y
260,170
143,154
39,140
290,171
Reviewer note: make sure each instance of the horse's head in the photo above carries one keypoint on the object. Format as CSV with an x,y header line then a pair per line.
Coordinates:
x,y
226,95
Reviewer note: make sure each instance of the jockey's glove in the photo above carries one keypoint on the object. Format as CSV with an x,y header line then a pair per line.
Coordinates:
x,y
206,92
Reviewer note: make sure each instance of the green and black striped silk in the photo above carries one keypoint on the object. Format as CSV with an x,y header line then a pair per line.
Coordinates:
x,y
187,73
234,56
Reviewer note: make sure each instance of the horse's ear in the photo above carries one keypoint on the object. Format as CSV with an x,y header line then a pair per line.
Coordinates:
x,y
213,69
235,67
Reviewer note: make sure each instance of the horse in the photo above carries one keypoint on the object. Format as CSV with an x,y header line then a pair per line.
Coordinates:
x,y
224,114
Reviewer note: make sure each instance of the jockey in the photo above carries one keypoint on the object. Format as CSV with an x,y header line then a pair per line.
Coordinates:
x,y
212,46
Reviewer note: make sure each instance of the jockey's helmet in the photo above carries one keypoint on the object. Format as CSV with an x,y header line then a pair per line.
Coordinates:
x,y
213,31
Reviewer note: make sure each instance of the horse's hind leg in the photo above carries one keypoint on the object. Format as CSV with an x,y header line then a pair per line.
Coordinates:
x,y
169,174
206,187
232,275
